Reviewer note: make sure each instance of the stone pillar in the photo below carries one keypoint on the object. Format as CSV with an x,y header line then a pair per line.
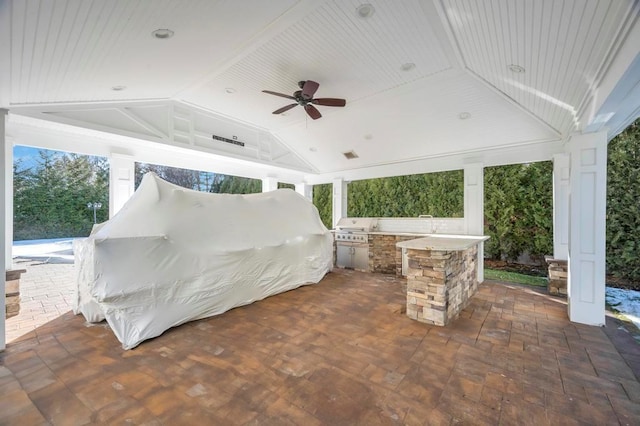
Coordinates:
x,y
339,200
557,272
474,208
269,184
305,190
440,284
561,171
5,261
12,292
121,181
587,223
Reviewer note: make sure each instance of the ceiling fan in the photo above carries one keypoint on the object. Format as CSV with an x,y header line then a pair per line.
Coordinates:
x,y
304,98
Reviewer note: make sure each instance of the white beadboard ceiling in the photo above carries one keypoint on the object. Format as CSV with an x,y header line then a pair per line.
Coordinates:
x,y
64,57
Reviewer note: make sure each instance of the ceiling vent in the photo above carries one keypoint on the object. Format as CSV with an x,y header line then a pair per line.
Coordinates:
x,y
233,141
350,155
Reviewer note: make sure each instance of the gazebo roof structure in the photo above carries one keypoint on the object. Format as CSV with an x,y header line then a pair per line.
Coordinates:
x,y
429,85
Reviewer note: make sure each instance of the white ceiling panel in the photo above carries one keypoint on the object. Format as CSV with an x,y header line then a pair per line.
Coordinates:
x,y
422,121
351,58
76,50
61,60
562,47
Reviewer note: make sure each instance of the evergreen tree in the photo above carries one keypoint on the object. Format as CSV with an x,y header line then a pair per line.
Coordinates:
x,y
623,204
50,199
322,199
518,211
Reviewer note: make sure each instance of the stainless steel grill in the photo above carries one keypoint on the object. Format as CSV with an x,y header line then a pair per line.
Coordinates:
x,y
357,224
352,242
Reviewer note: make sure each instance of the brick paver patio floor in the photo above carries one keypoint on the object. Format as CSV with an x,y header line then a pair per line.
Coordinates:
x,y
337,353
46,292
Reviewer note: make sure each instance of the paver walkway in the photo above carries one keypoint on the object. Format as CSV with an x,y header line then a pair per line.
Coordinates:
x,y
46,292
338,353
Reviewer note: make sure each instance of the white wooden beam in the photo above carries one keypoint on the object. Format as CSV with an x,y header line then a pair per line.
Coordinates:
x,y
561,174
474,208
269,184
6,213
127,112
305,190
121,181
587,226
339,200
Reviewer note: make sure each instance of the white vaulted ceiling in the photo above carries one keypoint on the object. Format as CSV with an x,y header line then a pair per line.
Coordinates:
x,y
462,96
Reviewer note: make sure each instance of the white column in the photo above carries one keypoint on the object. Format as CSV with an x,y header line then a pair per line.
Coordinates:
x,y
269,184
121,181
339,200
8,196
561,170
587,226
5,236
305,190
474,208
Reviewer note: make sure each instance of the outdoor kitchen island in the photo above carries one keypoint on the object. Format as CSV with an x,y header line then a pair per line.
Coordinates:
x,y
442,276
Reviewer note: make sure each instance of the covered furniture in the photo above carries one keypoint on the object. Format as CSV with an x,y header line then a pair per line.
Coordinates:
x,y
173,255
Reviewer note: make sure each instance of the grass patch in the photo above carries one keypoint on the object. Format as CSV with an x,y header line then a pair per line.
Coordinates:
x,y
513,277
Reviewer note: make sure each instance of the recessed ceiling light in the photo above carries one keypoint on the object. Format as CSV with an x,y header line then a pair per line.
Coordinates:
x,y
516,68
368,136
365,11
162,33
313,149
118,88
230,90
464,115
407,66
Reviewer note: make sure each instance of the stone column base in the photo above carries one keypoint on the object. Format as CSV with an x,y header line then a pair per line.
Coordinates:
x,y
557,276
12,292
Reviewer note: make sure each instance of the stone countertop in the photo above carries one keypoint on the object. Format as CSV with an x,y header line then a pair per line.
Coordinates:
x,y
443,242
400,234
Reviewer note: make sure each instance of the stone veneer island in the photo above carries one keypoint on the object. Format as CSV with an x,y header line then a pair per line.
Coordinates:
x,y
442,276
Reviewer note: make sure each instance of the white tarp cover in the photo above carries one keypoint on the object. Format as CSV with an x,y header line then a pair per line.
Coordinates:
x,y
173,255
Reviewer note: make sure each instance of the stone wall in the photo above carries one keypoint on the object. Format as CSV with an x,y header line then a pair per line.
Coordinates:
x,y
384,256
557,276
12,292
440,284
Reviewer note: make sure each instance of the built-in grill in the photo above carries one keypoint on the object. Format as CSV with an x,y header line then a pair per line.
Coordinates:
x,y
352,242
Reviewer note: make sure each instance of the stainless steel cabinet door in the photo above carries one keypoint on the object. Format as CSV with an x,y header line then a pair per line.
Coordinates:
x,y
361,258
344,257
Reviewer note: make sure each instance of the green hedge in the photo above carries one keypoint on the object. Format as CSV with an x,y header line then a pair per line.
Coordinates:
x,y
623,204
518,211
518,204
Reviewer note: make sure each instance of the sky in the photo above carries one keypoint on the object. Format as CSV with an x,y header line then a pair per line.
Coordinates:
x,y
28,155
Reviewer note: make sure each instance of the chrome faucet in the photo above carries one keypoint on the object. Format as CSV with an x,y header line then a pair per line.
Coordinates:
x,y
428,216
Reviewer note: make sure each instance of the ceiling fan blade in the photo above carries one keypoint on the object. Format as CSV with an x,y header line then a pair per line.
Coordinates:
x,y
284,109
309,89
312,111
334,102
282,95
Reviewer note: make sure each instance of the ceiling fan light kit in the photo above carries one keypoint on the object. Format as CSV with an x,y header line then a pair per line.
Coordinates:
x,y
304,98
